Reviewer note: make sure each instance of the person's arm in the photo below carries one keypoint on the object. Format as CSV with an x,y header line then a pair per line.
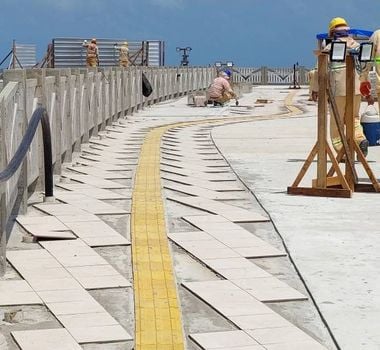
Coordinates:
x,y
227,87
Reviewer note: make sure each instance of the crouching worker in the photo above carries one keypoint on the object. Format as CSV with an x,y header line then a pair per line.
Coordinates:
x,y
220,90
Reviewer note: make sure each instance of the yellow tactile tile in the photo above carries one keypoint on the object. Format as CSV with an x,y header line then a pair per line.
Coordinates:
x,y
157,309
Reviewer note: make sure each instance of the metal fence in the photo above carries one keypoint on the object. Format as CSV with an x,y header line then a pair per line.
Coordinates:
x,y
69,52
270,76
26,54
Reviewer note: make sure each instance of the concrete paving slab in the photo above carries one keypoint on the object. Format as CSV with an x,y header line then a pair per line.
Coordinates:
x,y
81,217
88,320
281,335
87,306
223,340
60,284
199,174
192,181
61,296
17,292
94,273
234,236
260,321
195,166
108,175
89,204
47,339
227,298
96,229
104,159
203,192
190,236
50,222
228,211
100,334
103,166
59,209
94,181
94,192
309,345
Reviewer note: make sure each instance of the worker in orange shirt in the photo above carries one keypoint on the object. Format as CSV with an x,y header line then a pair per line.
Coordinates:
x,y
92,58
220,90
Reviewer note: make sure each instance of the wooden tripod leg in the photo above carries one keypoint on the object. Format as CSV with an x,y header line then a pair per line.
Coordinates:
x,y
335,166
339,157
306,165
340,127
367,168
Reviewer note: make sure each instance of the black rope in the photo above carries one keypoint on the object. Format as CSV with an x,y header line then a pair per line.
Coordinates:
x,y
39,114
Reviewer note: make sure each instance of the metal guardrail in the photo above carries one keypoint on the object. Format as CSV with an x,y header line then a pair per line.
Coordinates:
x,y
39,115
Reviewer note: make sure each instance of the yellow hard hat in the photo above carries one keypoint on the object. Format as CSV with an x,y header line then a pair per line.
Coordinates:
x,y
93,40
337,21
125,43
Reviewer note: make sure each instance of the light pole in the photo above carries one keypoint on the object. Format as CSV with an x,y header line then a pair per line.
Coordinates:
x,y
185,55
296,84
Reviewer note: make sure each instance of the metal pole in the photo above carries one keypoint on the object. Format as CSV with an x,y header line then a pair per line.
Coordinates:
x,y
14,54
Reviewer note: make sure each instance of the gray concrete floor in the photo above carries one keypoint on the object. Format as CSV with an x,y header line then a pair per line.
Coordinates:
x,y
334,242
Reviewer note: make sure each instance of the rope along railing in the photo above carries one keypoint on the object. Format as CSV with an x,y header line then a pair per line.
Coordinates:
x,y
39,115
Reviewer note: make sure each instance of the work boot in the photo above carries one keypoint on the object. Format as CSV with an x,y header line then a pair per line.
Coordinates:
x,y
363,145
218,104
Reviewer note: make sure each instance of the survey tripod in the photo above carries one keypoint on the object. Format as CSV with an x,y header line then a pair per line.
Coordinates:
x,y
335,181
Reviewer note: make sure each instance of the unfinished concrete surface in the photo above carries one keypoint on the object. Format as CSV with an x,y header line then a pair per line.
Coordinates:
x,y
216,288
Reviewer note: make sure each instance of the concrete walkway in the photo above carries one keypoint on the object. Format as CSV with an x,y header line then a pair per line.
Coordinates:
x,y
334,242
207,268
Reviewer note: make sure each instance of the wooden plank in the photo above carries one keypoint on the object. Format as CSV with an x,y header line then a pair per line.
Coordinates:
x,y
320,192
322,121
341,177
345,151
306,166
349,117
367,168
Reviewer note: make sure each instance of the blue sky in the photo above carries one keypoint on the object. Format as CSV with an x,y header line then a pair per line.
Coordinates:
x,y
248,32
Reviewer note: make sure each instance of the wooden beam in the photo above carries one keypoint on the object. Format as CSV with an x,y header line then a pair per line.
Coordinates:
x,y
305,166
349,117
322,122
320,192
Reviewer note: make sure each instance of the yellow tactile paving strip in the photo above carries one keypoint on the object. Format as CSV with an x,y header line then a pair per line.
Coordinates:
x,y
158,322
157,311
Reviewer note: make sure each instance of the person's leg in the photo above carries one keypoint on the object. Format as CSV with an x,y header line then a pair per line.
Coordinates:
x,y
359,134
334,134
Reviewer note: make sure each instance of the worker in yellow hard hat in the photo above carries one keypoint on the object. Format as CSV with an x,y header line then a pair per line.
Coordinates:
x,y
365,86
123,54
92,58
339,31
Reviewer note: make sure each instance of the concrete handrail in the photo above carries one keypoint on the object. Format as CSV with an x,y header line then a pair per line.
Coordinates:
x,y
80,103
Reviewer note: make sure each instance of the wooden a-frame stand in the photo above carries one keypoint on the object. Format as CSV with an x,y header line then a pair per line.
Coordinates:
x,y
343,183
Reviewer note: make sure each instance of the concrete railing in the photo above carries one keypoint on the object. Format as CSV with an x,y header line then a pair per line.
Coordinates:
x,y
80,103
